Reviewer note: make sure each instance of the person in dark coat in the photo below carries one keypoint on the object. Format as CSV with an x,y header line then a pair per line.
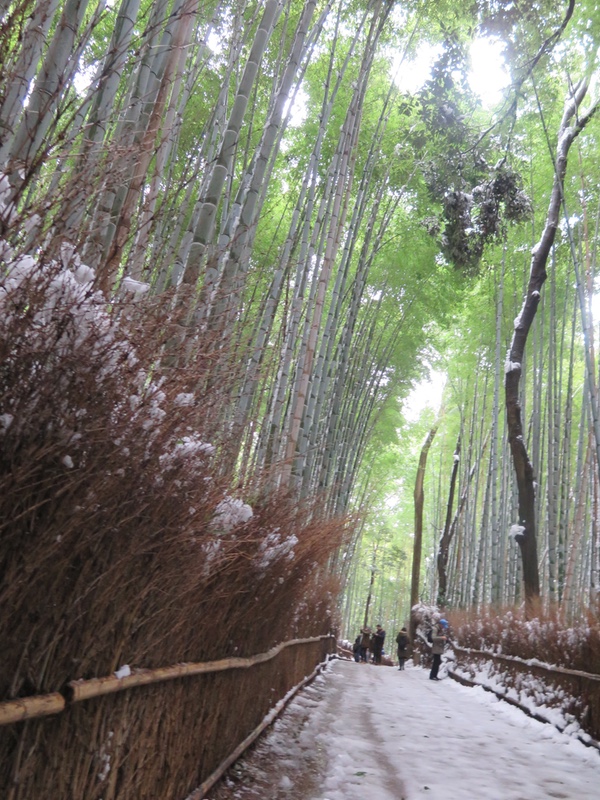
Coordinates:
x,y
365,643
438,642
356,648
403,643
378,640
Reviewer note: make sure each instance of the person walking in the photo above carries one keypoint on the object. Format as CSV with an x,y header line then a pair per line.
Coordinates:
x,y
378,640
403,643
438,643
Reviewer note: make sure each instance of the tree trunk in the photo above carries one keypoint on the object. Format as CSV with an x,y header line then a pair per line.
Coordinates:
x,y
418,540
371,584
444,548
526,531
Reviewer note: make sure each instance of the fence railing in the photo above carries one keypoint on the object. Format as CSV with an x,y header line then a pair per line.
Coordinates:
x,y
98,739
78,690
577,691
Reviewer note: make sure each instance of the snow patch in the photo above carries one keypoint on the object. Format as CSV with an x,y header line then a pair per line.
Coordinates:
x,y
516,532
185,399
123,672
5,422
273,548
511,366
136,288
230,513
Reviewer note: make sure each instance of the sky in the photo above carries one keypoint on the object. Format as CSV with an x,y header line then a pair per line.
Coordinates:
x,y
488,76
366,732
428,392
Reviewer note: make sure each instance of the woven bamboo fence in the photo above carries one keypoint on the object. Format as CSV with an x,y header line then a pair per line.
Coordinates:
x,y
152,734
582,688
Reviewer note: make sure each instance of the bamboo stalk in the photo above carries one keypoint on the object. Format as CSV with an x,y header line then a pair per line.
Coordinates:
x,y
30,707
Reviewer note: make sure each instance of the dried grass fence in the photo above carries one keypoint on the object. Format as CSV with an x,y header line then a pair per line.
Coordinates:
x,y
118,476
510,673
171,735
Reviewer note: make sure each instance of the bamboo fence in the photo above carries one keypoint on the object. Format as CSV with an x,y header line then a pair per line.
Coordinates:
x,y
201,791
96,739
77,690
582,687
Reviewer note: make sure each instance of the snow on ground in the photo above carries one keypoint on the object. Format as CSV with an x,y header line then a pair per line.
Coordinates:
x,y
366,732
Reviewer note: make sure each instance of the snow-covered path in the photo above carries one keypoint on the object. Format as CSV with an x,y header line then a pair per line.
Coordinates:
x,y
362,732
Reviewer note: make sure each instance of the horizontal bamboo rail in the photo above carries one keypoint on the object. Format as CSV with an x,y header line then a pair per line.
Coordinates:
x,y
30,707
511,701
345,651
577,683
522,662
79,690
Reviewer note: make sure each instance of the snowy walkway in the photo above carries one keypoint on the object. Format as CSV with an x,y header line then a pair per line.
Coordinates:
x,y
361,732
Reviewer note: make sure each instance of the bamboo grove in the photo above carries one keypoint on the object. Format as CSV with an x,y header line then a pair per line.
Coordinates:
x,y
317,233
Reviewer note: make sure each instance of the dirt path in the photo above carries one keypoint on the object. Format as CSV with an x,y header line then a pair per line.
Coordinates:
x,y
290,761
362,732
286,762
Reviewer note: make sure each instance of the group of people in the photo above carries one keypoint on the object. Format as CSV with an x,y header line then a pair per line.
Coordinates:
x,y
368,642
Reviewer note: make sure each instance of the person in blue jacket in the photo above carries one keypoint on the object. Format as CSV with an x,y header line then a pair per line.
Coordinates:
x,y
438,643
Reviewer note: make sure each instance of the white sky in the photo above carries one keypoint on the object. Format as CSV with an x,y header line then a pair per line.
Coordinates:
x,y
488,75
427,393
362,732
